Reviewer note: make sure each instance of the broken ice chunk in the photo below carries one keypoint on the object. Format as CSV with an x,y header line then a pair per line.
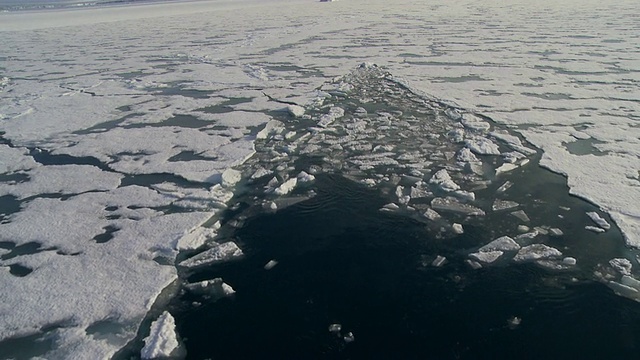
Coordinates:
x,y
520,214
506,167
457,228
536,252
390,207
473,122
217,254
595,229
349,337
569,261
304,177
431,215
215,288
439,261
503,205
486,257
453,205
504,187
260,172
334,113
503,243
624,290
335,328
523,228
514,322
453,114
273,126
599,220
444,181
465,195
295,110
482,146
162,339
230,177
465,155
473,264
623,266
196,238
286,187
555,232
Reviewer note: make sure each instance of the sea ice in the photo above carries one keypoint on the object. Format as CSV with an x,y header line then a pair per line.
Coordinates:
x,y
599,220
503,243
623,266
162,339
334,114
439,261
499,205
486,257
214,288
453,205
457,228
217,254
295,110
521,215
482,146
286,187
536,252
270,265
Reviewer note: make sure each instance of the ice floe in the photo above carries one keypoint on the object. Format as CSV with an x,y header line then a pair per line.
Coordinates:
x,y
536,252
217,254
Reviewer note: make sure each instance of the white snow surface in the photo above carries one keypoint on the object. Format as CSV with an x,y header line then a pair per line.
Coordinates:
x,y
108,99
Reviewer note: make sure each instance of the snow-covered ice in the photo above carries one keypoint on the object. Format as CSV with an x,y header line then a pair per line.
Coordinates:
x,y
116,99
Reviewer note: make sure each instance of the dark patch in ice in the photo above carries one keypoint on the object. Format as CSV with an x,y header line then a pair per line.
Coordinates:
x,y
108,330
27,347
107,125
19,270
45,157
188,156
183,91
15,178
180,120
111,208
25,249
147,180
9,204
109,230
161,260
584,147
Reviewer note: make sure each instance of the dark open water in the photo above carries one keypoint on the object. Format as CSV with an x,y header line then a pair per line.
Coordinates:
x,y
343,261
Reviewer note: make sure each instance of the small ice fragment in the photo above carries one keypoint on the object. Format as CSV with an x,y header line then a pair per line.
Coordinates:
x,y
295,110
473,122
431,215
286,187
536,252
506,167
504,187
419,192
520,214
473,264
465,195
260,172
623,266
453,114
215,288
390,207
513,322
555,232
335,328
486,257
569,261
162,339
599,220
542,230
503,205
595,229
528,236
439,261
457,228
230,177
349,337
503,243
195,238
270,205
270,265
271,127
304,177
523,228
219,253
